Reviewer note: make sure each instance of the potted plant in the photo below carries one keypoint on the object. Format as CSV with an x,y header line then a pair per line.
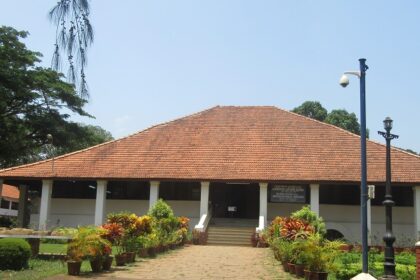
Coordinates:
x,y
130,246
74,258
254,239
94,246
320,255
196,236
107,257
298,257
152,244
285,252
142,246
113,232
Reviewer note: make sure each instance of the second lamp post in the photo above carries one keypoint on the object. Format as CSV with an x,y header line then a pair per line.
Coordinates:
x,y
389,238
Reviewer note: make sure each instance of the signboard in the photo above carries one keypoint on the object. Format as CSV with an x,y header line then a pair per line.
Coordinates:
x,y
290,194
232,209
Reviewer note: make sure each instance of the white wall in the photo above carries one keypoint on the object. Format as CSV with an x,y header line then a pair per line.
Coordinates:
x,y
74,212
281,209
346,219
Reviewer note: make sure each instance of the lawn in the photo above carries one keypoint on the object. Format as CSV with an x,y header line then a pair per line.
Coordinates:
x,y
40,269
349,265
53,248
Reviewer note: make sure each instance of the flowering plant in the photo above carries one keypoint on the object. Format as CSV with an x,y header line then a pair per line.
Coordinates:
x,y
88,244
295,228
183,222
112,232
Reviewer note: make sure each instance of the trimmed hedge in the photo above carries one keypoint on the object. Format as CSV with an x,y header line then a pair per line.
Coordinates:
x,y
14,253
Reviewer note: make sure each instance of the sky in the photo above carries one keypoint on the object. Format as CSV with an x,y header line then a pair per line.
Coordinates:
x,y
155,61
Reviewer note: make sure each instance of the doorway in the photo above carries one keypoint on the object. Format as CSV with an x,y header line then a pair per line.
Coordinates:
x,y
235,200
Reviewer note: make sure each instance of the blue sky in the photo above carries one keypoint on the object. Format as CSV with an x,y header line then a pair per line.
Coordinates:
x,y
154,61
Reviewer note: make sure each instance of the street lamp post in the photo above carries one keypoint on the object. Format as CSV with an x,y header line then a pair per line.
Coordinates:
x,y
389,238
344,81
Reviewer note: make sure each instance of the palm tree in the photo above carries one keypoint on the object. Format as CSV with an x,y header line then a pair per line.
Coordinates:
x,y
74,35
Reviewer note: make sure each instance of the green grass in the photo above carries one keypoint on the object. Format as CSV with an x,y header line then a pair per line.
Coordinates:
x,y
53,248
41,269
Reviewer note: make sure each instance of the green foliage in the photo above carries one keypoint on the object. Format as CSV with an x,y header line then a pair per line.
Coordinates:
x,y
35,102
161,210
406,258
350,264
320,254
309,216
283,248
312,109
14,253
8,222
344,119
340,118
88,244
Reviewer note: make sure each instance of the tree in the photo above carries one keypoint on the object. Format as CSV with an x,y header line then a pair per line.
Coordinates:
x,y
344,119
35,102
312,109
340,118
74,34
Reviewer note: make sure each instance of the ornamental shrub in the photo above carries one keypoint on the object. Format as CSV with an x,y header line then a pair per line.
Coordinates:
x,y
161,210
14,253
310,217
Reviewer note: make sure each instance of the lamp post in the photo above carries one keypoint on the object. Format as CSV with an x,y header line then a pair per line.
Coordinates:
x,y
389,238
344,81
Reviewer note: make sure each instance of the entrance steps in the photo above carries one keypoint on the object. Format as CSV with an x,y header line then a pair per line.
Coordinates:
x,y
233,234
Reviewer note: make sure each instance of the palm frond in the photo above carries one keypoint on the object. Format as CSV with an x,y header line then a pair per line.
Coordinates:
x,y
55,63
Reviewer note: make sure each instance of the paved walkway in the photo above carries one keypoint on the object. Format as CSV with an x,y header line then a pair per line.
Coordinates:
x,y
202,262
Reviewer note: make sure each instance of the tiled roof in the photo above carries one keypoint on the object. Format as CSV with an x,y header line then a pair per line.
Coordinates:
x,y
231,143
10,192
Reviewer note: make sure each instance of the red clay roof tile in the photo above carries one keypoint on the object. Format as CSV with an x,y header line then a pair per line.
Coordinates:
x,y
231,143
10,192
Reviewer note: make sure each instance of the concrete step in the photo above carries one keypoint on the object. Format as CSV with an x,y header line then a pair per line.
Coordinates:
x,y
236,236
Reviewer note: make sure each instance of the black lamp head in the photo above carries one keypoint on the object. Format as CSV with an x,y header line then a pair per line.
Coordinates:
x,y
388,123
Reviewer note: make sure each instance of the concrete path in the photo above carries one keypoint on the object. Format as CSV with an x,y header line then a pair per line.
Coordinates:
x,y
202,262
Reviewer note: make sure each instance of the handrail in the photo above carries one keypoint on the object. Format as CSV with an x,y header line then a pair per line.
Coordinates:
x,y
261,224
204,221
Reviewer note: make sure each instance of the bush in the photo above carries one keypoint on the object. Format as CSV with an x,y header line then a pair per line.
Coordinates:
x,y
14,253
161,210
310,217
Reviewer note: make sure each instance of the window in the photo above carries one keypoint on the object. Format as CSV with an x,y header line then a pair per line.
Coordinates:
x,y
74,189
4,204
180,190
339,194
15,205
139,190
401,195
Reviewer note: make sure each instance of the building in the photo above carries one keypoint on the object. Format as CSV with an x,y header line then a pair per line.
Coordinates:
x,y
251,163
9,200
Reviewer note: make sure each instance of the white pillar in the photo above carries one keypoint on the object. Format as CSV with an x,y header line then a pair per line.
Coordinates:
x,y
100,202
204,200
154,193
263,200
416,190
44,212
315,198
